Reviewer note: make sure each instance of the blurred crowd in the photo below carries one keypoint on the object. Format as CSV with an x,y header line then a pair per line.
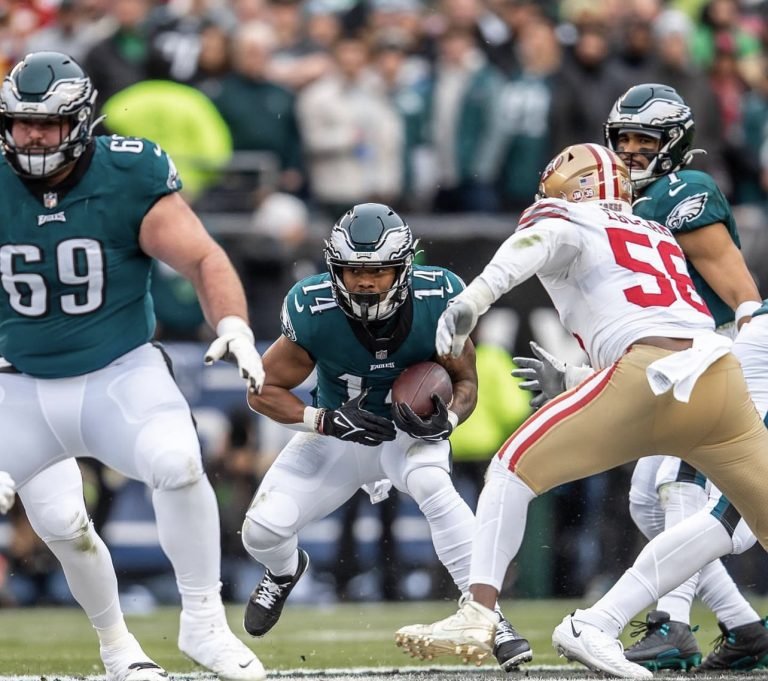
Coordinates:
x,y
444,106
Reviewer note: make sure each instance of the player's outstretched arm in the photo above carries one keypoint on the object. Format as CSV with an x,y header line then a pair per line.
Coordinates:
x,y
172,233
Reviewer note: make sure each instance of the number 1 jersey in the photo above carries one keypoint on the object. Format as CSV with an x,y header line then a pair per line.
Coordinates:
x,y
75,281
613,277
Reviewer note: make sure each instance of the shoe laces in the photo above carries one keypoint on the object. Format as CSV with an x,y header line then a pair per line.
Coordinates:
x,y
268,592
642,628
506,632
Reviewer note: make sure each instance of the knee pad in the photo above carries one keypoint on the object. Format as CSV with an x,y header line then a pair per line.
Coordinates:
x,y
168,454
256,537
64,520
275,512
647,515
426,481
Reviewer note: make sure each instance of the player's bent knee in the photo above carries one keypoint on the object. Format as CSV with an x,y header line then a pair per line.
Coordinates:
x,y
647,515
426,481
60,521
174,469
274,511
256,537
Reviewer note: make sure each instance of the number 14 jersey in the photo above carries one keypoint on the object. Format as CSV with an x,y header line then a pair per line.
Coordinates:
x,y
613,277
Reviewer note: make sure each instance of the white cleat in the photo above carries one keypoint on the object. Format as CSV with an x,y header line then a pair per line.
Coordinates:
x,y
469,634
212,645
126,661
585,643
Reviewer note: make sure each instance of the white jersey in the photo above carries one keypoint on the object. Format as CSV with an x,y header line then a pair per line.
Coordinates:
x,y
613,277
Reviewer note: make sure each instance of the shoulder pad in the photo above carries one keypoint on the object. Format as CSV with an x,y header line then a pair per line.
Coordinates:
x,y
542,210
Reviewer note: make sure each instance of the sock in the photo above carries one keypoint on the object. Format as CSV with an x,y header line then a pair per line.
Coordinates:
x,y
451,525
280,555
666,561
680,500
91,578
499,525
188,528
721,595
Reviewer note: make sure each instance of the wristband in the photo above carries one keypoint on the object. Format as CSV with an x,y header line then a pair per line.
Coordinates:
x,y
453,419
746,308
234,324
313,419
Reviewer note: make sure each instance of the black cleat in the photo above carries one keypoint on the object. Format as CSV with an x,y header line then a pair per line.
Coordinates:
x,y
268,598
665,644
740,649
509,648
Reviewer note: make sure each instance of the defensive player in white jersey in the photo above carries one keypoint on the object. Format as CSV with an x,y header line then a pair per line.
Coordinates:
x,y
621,288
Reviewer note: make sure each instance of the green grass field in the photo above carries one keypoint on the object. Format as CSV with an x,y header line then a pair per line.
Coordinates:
x,y
51,642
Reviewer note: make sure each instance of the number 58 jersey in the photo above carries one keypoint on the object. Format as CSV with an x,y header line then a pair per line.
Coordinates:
x,y
75,282
613,277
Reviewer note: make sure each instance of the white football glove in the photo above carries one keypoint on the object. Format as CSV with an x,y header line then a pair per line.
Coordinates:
x,y
7,492
454,326
236,343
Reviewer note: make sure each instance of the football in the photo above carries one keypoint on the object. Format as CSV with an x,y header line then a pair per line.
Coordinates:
x,y
416,385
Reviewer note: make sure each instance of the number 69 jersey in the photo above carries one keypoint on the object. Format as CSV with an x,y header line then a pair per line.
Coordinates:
x,y
75,281
613,277
347,358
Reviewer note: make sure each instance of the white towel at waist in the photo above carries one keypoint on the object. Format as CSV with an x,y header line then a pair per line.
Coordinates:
x,y
379,490
680,370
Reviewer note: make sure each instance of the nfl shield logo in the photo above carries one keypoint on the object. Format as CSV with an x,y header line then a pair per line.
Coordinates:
x,y
381,354
51,200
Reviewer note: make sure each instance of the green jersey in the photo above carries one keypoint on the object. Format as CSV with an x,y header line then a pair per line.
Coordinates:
x,y
348,359
75,281
685,201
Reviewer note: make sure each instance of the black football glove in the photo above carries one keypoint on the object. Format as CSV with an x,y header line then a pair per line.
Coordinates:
x,y
351,423
432,428
545,375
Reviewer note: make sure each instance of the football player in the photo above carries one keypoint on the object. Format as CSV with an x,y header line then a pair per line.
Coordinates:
x,y
652,129
358,325
620,286
84,216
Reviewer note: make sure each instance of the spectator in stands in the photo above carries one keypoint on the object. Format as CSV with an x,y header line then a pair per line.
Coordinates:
x,y
588,67
176,37
722,20
65,34
672,32
323,23
353,136
464,99
296,60
120,59
406,84
213,62
261,113
520,130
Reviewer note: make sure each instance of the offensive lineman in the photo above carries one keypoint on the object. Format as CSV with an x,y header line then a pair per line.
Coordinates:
x,y
373,314
83,217
620,286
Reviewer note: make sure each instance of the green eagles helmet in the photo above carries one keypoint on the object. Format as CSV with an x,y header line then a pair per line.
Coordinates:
x,y
370,235
47,85
659,111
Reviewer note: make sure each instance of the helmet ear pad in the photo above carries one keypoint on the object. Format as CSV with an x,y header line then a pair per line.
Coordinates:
x,y
370,235
47,86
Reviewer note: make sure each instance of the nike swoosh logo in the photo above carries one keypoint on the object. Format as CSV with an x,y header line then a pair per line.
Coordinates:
x,y
676,190
243,666
299,308
573,629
